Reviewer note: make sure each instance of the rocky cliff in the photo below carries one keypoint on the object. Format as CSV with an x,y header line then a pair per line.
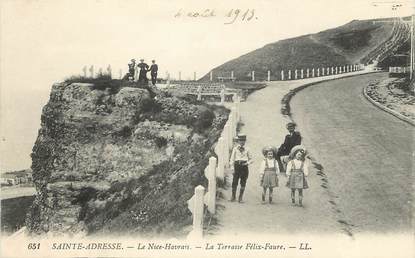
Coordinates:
x,y
117,159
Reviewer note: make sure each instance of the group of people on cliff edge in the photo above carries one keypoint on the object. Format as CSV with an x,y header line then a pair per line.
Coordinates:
x,y
143,69
287,160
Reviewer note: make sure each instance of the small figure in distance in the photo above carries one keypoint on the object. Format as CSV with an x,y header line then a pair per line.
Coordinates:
x,y
153,72
131,71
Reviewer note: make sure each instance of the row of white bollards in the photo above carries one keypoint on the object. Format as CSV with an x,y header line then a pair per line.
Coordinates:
x,y
284,75
215,169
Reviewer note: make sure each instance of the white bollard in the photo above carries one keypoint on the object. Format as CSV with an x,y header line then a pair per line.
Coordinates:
x,y
327,71
253,75
282,75
312,72
235,119
109,71
91,70
336,70
226,148
295,74
168,79
318,72
199,92
308,73
289,74
198,207
85,70
302,73
332,70
228,136
269,76
322,71
232,123
221,161
211,200
238,109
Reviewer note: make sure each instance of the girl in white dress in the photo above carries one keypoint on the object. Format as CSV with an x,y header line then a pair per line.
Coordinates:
x,y
297,171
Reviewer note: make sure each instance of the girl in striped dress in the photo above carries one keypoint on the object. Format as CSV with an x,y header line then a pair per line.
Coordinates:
x,y
297,171
268,172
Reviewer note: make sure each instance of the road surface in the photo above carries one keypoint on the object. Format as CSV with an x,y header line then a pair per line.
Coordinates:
x,y
366,183
366,153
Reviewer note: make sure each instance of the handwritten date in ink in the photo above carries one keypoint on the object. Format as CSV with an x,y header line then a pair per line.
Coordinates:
x,y
243,15
231,16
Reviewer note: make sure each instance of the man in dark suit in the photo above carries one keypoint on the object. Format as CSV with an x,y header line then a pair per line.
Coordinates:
x,y
292,139
153,72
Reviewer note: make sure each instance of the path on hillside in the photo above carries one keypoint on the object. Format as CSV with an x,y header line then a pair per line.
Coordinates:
x,y
265,125
366,153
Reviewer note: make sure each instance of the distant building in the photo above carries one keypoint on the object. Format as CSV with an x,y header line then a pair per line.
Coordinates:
x,y
16,178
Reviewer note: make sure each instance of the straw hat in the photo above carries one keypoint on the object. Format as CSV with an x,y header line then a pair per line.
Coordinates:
x,y
266,149
291,124
297,148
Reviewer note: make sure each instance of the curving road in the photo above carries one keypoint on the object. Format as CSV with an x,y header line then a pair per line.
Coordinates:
x,y
366,154
366,184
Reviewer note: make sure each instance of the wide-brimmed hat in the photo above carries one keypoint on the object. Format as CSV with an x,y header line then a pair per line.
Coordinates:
x,y
141,60
266,149
297,148
291,124
241,137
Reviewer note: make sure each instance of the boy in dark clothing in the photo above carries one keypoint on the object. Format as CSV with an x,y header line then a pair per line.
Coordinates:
x,y
292,139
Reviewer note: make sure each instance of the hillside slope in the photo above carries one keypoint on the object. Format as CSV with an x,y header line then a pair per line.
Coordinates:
x,y
347,44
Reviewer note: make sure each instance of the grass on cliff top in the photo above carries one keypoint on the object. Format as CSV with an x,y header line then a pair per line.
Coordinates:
x,y
104,81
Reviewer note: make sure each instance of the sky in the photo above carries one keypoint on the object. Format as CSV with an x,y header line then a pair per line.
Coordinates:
x,y
44,41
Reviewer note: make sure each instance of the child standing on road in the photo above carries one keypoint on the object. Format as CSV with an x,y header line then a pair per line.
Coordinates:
x,y
297,172
240,159
268,172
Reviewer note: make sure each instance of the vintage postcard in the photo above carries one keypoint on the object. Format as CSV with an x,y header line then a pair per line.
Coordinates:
x,y
253,128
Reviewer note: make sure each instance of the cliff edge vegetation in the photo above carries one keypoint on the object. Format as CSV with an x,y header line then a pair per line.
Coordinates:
x,y
112,157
